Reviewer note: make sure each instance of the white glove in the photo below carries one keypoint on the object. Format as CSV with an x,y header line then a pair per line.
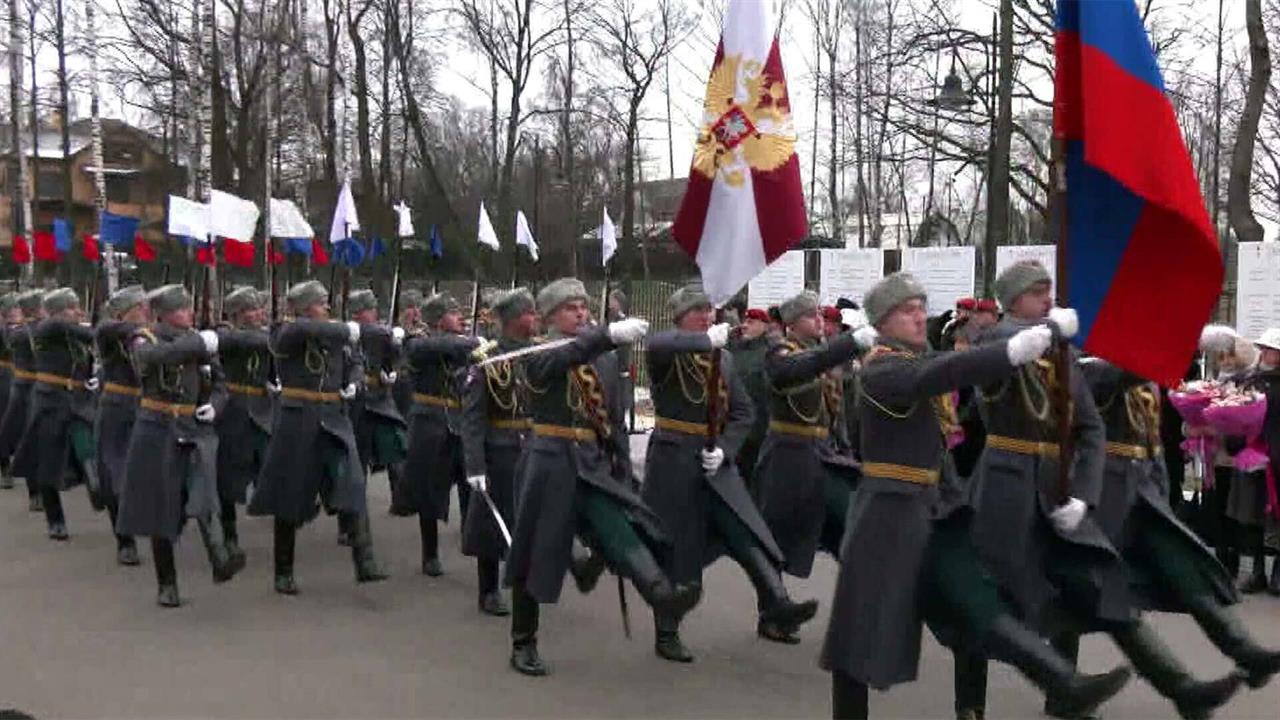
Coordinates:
x,y
477,483
1068,516
719,335
1066,320
210,339
353,328
347,392
627,332
712,460
1029,344
1217,337
205,413
865,336
388,378
92,384
274,387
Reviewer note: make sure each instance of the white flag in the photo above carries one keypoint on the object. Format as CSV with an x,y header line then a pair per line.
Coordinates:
x,y
524,236
287,221
188,218
487,236
608,238
405,215
232,217
345,220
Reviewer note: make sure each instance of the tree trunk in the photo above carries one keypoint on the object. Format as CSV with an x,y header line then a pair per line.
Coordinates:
x,y
1239,208
998,178
219,140
64,108
363,134
21,196
566,131
330,148
384,146
629,187
833,169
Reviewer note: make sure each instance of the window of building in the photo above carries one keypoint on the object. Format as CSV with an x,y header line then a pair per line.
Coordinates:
x,y
118,188
50,184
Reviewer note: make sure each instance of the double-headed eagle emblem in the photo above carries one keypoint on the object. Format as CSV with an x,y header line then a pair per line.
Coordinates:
x,y
746,122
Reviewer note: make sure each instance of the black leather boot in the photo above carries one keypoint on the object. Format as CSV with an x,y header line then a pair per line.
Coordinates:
x,y
1067,645
51,501
848,698
166,573
230,534
1257,580
284,536
400,505
524,634
1273,588
357,528
224,566
666,641
430,532
666,598
1155,662
1011,642
970,682
490,602
1228,633
94,486
127,551
34,502
779,614
586,566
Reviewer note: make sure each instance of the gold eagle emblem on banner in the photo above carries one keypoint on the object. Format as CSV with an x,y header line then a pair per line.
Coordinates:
x,y
739,134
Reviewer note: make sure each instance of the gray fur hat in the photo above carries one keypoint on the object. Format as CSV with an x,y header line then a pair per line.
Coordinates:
x,y
55,301
792,309
242,299
29,301
361,300
889,293
512,304
1018,279
410,299
307,293
8,301
168,298
437,306
125,299
689,297
559,292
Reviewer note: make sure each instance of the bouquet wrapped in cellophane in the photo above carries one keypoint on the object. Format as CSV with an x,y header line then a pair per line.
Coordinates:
x,y
1191,400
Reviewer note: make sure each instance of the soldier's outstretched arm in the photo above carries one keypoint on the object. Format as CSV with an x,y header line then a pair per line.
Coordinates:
x,y
786,367
235,339
292,336
188,348
899,378
584,348
453,347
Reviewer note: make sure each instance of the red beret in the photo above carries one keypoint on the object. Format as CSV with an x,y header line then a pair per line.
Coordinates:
x,y
987,305
966,303
756,314
830,312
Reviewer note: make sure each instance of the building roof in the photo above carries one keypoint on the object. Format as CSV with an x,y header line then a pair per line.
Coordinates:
x,y
50,137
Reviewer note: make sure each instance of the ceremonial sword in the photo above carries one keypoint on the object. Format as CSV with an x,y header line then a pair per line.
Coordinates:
x,y
497,516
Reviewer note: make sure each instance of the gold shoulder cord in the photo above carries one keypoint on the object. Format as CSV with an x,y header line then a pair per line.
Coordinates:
x,y
500,380
1143,409
877,352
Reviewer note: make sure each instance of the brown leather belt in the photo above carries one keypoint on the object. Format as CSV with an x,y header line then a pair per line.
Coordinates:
x,y
242,389
6,364
681,426
373,381
511,424
435,400
809,431
567,433
1133,452
65,383
1023,447
118,389
20,374
310,395
905,473
168,408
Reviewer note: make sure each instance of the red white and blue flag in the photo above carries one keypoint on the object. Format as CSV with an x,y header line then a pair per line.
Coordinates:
x,y
1144,267
744,205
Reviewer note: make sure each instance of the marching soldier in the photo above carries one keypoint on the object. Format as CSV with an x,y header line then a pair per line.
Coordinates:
x,y
14,424
435,463
378,424
171,467
802,500
749,348
57,449
906,555
700,499
1178,571
495,423
577,478
312,457
244,425
10,317
127,312
402,392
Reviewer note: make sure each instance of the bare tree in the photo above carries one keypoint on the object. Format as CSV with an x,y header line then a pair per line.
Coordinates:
x,y
1239,193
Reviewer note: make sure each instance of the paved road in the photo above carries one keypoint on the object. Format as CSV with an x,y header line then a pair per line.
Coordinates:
x,y
84,639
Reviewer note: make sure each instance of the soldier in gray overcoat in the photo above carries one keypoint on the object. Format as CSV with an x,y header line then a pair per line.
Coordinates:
x,y
803,501
411,326
311,459
1172,568
9,317
495,428
749,346
17,410
244,425
906,556
118,393
577,479
701,499
57,451
380,428
434,464
171,466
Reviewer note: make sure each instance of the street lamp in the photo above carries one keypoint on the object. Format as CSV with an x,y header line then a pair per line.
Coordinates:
x,y
953,96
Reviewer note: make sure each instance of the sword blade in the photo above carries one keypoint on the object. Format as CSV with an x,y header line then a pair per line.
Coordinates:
x,y
531,350
497,516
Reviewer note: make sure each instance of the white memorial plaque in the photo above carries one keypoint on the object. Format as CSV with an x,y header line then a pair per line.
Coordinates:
x,y
946,273
848,273
1257,288
782,280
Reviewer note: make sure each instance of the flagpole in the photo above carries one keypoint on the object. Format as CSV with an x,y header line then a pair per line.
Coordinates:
x,y
1062,357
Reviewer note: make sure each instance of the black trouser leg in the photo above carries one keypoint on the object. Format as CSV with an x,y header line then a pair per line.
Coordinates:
x,y
487,575
1067,645
970,679
52,500
166,572
227,518
356,525
430,531
284,537
524,632
848,698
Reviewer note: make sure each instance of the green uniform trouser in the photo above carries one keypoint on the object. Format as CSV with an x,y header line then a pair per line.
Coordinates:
x,y
837,493
1164,556
390,445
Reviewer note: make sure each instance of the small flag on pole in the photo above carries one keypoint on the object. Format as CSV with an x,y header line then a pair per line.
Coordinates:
x,y
486,235
404,214
608,238
524,236
437,243
345,219
117,229
188,219
231,216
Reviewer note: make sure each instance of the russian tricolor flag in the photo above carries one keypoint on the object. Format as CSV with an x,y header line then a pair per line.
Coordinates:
x,y
1144,267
